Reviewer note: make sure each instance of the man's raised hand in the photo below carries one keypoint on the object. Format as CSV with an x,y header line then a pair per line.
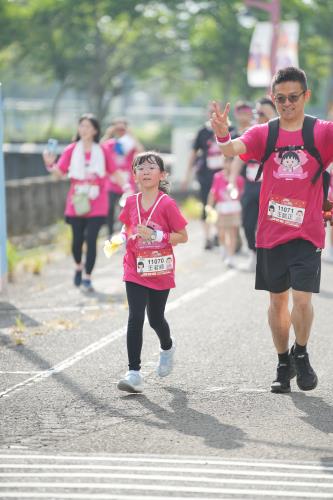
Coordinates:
x,y
219,119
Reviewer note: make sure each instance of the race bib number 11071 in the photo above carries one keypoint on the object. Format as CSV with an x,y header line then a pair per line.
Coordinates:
x,y
286,211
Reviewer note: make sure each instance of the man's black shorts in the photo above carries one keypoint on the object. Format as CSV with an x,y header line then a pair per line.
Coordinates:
x,y
295,264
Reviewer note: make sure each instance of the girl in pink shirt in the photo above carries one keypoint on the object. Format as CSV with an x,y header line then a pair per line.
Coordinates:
x,y
85,163
153,224
228,207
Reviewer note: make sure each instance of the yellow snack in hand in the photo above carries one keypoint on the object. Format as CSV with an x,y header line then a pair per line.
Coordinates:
x,y
211,214
111,246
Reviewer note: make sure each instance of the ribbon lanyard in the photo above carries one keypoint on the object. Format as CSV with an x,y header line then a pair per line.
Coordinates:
x,y
153,210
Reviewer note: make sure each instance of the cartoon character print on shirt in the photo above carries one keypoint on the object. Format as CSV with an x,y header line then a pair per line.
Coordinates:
x,y
290,165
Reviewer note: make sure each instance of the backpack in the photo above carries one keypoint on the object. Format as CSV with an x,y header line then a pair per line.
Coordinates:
x,y
309,146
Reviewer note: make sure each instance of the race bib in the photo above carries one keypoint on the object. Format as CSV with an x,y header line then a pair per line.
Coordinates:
x,y
229,207
94,191
286,211
251,171
215,162
151,262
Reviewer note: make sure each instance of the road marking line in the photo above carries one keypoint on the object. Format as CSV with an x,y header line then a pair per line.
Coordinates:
x,y
183,489
3,372
169,478
180,470
95,346
175,460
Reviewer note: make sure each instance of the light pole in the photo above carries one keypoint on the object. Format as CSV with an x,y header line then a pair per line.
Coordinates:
x,y
274,9
3,228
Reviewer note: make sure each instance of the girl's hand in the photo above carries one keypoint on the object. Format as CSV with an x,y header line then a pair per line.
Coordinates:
x,y
219,120
145,232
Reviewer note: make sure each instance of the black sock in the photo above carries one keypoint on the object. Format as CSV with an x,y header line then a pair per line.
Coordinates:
x,y
299,349
284,358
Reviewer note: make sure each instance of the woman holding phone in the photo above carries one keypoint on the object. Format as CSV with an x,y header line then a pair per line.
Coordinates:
x,y
85,162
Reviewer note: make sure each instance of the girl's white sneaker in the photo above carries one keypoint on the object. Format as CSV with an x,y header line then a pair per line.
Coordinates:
x,y
131,382
165,363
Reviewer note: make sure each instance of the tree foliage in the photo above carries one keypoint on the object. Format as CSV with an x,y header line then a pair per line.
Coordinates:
x,y
193,49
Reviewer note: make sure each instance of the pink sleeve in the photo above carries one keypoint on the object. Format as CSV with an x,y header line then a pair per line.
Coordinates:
x,y
124,215
108,163
324,140
65,159
255,141
176,221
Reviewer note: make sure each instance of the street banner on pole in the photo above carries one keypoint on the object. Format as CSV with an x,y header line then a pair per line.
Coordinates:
x,y
287,46
259,72
259,63
3,227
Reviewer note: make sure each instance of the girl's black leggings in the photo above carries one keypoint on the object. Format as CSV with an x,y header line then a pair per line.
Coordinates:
x,y
85,229
139,298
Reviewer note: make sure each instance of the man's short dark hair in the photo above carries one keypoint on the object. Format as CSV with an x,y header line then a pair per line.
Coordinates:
x,y
290,74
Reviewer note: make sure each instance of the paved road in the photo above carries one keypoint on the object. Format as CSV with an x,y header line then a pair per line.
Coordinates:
x,y
210,430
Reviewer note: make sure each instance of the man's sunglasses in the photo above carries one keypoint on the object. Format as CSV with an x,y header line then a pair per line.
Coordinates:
x,y
282,99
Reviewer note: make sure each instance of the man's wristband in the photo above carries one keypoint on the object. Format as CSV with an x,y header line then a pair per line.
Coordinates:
x,y
223,141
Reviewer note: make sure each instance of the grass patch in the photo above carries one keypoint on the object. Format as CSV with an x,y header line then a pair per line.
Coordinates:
x,y
191,208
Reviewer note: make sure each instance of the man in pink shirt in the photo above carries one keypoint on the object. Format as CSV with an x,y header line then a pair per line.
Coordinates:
x,y
290,233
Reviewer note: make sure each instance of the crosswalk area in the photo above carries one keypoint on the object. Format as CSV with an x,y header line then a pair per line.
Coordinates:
x,y
153,477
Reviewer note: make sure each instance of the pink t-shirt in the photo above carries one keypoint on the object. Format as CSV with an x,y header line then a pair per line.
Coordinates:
x,y
122,164
220,192
97,185
330,190
166,217
290,205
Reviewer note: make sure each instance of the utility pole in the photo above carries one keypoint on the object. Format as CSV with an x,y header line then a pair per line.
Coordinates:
x,y
3,223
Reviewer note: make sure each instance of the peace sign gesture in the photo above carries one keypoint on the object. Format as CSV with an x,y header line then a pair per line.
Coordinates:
x,y
219,119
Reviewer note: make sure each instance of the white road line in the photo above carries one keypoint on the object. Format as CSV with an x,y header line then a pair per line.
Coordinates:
x,y
78,356
165,488
180,470
3,372
94,496
163,477
174,460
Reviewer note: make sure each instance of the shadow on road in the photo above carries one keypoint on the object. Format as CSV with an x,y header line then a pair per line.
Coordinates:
x,y
318,413
325,294
9,314
192,422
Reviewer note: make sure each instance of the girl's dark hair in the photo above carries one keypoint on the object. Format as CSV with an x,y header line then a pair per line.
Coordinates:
x,y
152,157
290,74
290,154
94,122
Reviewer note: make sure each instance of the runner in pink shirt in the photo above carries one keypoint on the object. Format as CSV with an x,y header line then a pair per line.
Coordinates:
x,y
153,224
290,233
121,147
86,164
226,199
